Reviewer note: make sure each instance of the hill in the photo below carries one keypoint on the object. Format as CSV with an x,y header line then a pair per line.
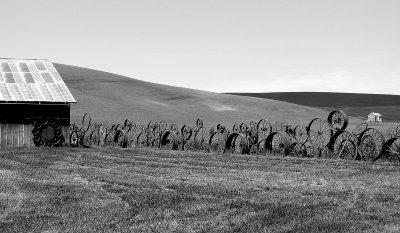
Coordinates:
x,y
354,104
112,98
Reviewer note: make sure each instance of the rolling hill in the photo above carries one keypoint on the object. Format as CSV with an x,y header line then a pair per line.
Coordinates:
x,y
354,104
111,98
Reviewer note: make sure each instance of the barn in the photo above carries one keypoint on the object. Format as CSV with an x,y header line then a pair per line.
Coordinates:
x,y
34,104
375,117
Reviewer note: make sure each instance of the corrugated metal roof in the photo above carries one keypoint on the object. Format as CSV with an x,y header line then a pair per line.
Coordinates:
x,y
32,81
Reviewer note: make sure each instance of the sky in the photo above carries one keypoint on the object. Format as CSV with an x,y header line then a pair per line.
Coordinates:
x,y
216,45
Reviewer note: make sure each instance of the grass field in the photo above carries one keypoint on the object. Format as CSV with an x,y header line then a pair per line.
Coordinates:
x,y
145,190
111,98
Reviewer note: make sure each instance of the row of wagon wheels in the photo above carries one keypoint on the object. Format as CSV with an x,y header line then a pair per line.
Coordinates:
x,y
322,138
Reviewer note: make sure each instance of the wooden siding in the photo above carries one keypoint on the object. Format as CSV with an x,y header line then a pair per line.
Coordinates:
x,y
18,135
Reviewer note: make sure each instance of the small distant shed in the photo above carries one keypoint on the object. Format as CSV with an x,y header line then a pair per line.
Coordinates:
x,y
375,117
34,104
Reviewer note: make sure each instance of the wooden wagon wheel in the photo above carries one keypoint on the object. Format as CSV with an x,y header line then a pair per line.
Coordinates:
x,y
201,139
289,130
236,143
217,142
391,132
86,121
278,143
319,132
121,138
313,152
221,128
94,137
391,150
277,126
300,150
141,140
199,123
338,120
186,132
264,128
253,126
283,125
343,145
169,140
73,136
300,134
370,143
174,129
236,128
262,147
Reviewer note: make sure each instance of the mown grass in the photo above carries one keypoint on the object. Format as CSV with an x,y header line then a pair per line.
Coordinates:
x,y
145,190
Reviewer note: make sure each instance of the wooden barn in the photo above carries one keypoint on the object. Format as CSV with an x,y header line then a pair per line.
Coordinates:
x,y
34,104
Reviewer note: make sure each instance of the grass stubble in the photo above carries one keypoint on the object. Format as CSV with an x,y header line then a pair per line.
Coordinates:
x,y
144,190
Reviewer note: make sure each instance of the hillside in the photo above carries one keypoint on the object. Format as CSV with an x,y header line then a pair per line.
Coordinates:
x,y
112,98
354,104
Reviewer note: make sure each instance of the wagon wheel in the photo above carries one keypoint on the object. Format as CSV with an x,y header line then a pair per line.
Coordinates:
x,y
155,142
85,139
126,123
121,138
174,128
141,140
156,129
221,128
391,133
283,126
253,126
109,137
319,132
243,128
359,129
94,137
236,143
264,128
278,143
277,126
150,125
73,137
261,145
370,143
240,144
300,134
217,142
289,130
300,150
169,140
313,152
253,149
186,132
201,139
252,137
343,145
199,123
131,138
236,128
391,150
86,121
338,120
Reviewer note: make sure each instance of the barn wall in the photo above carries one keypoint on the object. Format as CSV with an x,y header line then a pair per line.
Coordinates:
x,y
20,135
28,113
